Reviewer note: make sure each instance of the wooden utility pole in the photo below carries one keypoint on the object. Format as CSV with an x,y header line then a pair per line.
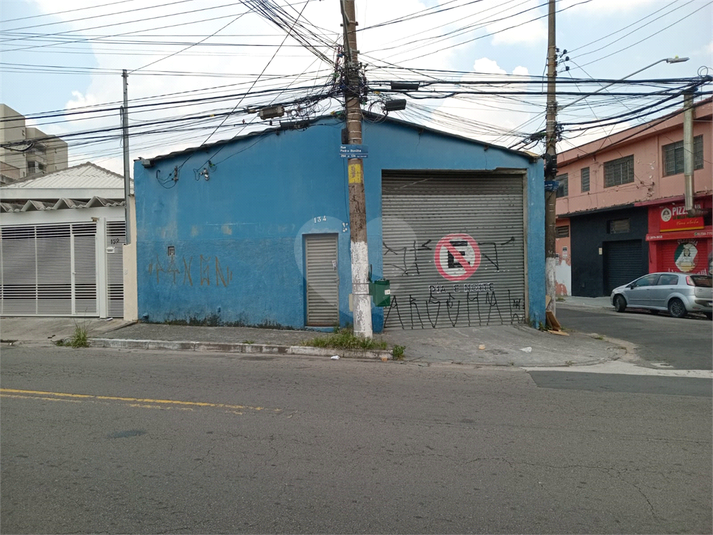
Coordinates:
x,y
357,202
551,165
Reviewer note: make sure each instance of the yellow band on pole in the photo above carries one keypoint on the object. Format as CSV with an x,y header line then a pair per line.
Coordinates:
x,y
356,174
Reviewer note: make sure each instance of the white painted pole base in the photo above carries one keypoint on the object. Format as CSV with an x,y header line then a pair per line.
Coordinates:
x,y
360,290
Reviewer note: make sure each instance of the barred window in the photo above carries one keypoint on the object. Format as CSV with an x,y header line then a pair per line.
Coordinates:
x,y
585,179
563,187
673,156
562,231
618,226
619,171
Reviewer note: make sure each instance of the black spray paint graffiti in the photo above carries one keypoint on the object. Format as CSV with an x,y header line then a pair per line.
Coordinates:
x,y
479,309
207,267
488,251
474,304
404,253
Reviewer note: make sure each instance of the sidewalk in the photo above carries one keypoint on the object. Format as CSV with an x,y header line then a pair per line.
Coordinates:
x,y
584,302
506,345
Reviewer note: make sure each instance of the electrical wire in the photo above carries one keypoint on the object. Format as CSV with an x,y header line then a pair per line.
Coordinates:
x,y
190,46
253,84
628,47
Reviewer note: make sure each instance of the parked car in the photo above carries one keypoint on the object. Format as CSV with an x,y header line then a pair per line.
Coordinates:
x,y
676,292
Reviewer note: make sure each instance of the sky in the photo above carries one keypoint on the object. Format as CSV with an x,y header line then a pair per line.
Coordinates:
x,y
68,57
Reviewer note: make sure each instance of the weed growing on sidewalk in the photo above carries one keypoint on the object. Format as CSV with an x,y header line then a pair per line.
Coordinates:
x,y
344,339
80,338
398,352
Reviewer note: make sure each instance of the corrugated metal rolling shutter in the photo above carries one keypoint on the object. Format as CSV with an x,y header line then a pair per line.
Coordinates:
x,y
115,239
429,219
322,280
622,263
697,261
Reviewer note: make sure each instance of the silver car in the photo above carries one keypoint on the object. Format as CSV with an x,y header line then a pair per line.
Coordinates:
x,y
676,292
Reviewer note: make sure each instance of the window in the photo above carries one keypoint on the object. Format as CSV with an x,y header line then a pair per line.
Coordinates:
x,y
618,226
673,156
562,232
563,187
703,281
647,280
585,179
619,171
668,280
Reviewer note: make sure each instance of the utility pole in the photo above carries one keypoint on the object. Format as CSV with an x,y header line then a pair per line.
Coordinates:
x,y
551,165
357,200
688,151
125,141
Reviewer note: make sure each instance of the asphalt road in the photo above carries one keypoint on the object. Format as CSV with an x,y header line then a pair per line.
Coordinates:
x,y
677,343
100,441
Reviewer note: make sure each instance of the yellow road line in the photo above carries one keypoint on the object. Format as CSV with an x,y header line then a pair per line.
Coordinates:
x,y
9,392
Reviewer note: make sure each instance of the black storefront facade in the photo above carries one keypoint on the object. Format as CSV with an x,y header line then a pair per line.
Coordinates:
x,y
609,248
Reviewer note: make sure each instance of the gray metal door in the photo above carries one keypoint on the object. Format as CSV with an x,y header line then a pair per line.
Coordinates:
x,y
115,240
85,269
453,248
322,277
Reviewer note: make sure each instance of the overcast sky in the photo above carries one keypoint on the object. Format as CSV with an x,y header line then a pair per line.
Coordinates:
x,y
69,54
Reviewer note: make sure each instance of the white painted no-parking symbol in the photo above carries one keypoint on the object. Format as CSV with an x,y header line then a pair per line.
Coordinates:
x,y
457,256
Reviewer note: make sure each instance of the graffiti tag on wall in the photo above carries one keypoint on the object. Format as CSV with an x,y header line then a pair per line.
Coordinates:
x,y
451,304
474,309
407,261
186,271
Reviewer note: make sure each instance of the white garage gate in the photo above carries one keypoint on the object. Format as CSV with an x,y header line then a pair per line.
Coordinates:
x,y
62,269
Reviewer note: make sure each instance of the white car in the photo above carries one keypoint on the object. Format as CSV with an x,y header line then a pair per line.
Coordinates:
x,y
676,292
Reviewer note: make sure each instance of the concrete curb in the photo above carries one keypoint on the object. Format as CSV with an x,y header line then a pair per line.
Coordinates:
x,y
228,347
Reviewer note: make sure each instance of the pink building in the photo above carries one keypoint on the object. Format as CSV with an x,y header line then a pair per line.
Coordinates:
x,y
620,206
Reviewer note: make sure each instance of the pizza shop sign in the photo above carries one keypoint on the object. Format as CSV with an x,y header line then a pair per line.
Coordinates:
x,y
675,217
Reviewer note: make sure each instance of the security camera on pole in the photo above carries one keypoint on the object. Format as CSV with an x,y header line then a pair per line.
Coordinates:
x,y
357,201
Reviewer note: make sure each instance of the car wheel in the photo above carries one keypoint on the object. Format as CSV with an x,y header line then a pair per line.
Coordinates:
x,y
709,315
619,303
676,308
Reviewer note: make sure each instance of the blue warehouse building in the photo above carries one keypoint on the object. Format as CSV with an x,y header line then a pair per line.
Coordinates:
x,y
255,230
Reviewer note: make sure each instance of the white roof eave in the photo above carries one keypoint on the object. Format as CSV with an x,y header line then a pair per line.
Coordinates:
x,y
7,194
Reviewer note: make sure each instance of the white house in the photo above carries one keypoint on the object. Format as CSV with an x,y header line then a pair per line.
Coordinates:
x,y
62,245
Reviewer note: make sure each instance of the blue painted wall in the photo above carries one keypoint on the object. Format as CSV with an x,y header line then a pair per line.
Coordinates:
x,y
237,238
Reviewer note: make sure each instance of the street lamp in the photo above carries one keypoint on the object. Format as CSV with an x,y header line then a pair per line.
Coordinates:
x,y
551,159
674,59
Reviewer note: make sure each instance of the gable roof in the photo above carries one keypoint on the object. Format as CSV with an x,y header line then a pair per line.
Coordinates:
x,y
83,181
302,124
86,175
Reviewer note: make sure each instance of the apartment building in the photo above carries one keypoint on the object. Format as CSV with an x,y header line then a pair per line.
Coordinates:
x,y
26,151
